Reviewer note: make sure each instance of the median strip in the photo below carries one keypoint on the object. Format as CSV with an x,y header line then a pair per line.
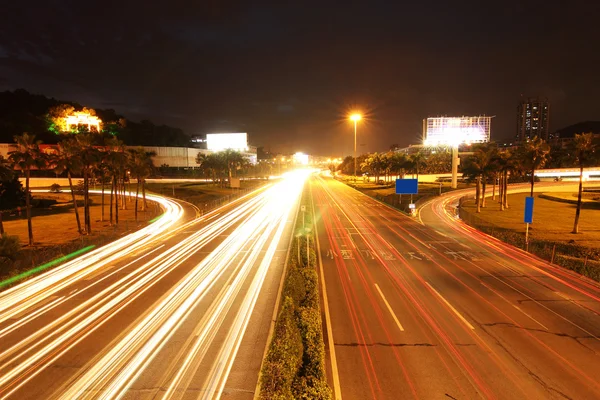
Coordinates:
x,y
294,366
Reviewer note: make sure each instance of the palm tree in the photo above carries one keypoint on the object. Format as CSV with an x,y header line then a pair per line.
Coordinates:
x,y
419,160
233,159
26,157
487,154
533,155
505,163
585,152
116,162
479,167
398,164
140,165
90,157
6,173
68,160
101,172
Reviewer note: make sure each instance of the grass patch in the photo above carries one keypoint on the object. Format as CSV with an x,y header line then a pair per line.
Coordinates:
x,y
550,234
204,195
294,366
552,220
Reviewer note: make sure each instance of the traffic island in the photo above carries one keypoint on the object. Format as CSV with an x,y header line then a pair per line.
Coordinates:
x,y
294,365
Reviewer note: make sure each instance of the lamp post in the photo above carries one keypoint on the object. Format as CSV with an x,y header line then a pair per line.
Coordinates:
x,y
355,118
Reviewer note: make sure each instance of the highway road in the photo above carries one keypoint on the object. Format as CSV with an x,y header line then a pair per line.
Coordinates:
x,y
178,310
440,311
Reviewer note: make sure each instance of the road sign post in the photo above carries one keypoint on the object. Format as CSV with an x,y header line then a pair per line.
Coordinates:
x,y
528,218
407,186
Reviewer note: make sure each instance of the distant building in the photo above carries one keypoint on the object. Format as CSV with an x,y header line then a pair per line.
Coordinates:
x,y
533,118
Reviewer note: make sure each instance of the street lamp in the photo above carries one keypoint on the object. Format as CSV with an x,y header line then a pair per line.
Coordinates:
x,y
355,118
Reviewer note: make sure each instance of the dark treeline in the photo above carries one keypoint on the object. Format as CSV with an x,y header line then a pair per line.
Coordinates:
x,y
21,111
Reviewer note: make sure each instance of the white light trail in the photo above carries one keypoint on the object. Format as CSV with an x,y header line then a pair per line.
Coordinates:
x,y
243,258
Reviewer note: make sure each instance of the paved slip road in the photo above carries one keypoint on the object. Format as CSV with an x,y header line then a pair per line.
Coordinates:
x,y
181,313
441,311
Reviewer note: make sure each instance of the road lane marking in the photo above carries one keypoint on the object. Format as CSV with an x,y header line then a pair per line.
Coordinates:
x,y
337,391
533,319
389,308
450,305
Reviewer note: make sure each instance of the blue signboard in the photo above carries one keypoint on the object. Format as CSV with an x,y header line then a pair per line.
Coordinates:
x,y
528,210
407,186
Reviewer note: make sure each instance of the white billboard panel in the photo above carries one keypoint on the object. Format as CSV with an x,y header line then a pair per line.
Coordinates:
x,y
301,158
223,141
456,130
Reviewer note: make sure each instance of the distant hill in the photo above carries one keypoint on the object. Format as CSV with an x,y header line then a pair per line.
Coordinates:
x,y
581,127
21,111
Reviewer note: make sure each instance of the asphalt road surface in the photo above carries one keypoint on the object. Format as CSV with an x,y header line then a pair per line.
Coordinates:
x,y
179,310
440,311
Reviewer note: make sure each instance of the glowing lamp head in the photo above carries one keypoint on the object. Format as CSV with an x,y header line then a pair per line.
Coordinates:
x,y
355,117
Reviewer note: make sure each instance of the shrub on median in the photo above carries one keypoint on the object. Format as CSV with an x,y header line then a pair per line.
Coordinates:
x,y
284,357
301,294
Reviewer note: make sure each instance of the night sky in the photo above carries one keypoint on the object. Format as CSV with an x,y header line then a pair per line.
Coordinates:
x,y
288,72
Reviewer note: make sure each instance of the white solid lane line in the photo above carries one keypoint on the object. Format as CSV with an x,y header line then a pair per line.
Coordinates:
x,y
389,308
452,308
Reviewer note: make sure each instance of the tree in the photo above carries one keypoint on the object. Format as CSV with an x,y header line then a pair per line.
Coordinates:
x,y
212,165
398,164
439,162
140,165
479,167
487,154
116,161
56,117
233,159
67,160
375,164
419,160
504,161
90,157
585,154
533,155
27,156
12,194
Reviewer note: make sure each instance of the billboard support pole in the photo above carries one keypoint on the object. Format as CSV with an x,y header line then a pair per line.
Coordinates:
x,y
455,166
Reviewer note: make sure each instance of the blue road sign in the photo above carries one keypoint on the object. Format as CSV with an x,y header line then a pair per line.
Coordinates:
x,y
528,210
407,186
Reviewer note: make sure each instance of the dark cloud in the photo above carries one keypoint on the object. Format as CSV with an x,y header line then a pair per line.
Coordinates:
x,y
287,72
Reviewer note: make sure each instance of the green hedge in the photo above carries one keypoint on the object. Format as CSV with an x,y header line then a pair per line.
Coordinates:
x,y
294,367
284,358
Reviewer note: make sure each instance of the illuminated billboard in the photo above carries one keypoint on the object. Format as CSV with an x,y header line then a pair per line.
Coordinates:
x,y
223,141
301,158
456,130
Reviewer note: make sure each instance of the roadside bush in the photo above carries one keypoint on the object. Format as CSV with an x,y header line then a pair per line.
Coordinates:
x,y
55,188
284,357
9,247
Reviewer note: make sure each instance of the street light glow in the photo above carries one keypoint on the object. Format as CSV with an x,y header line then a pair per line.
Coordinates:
x,y
355,117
